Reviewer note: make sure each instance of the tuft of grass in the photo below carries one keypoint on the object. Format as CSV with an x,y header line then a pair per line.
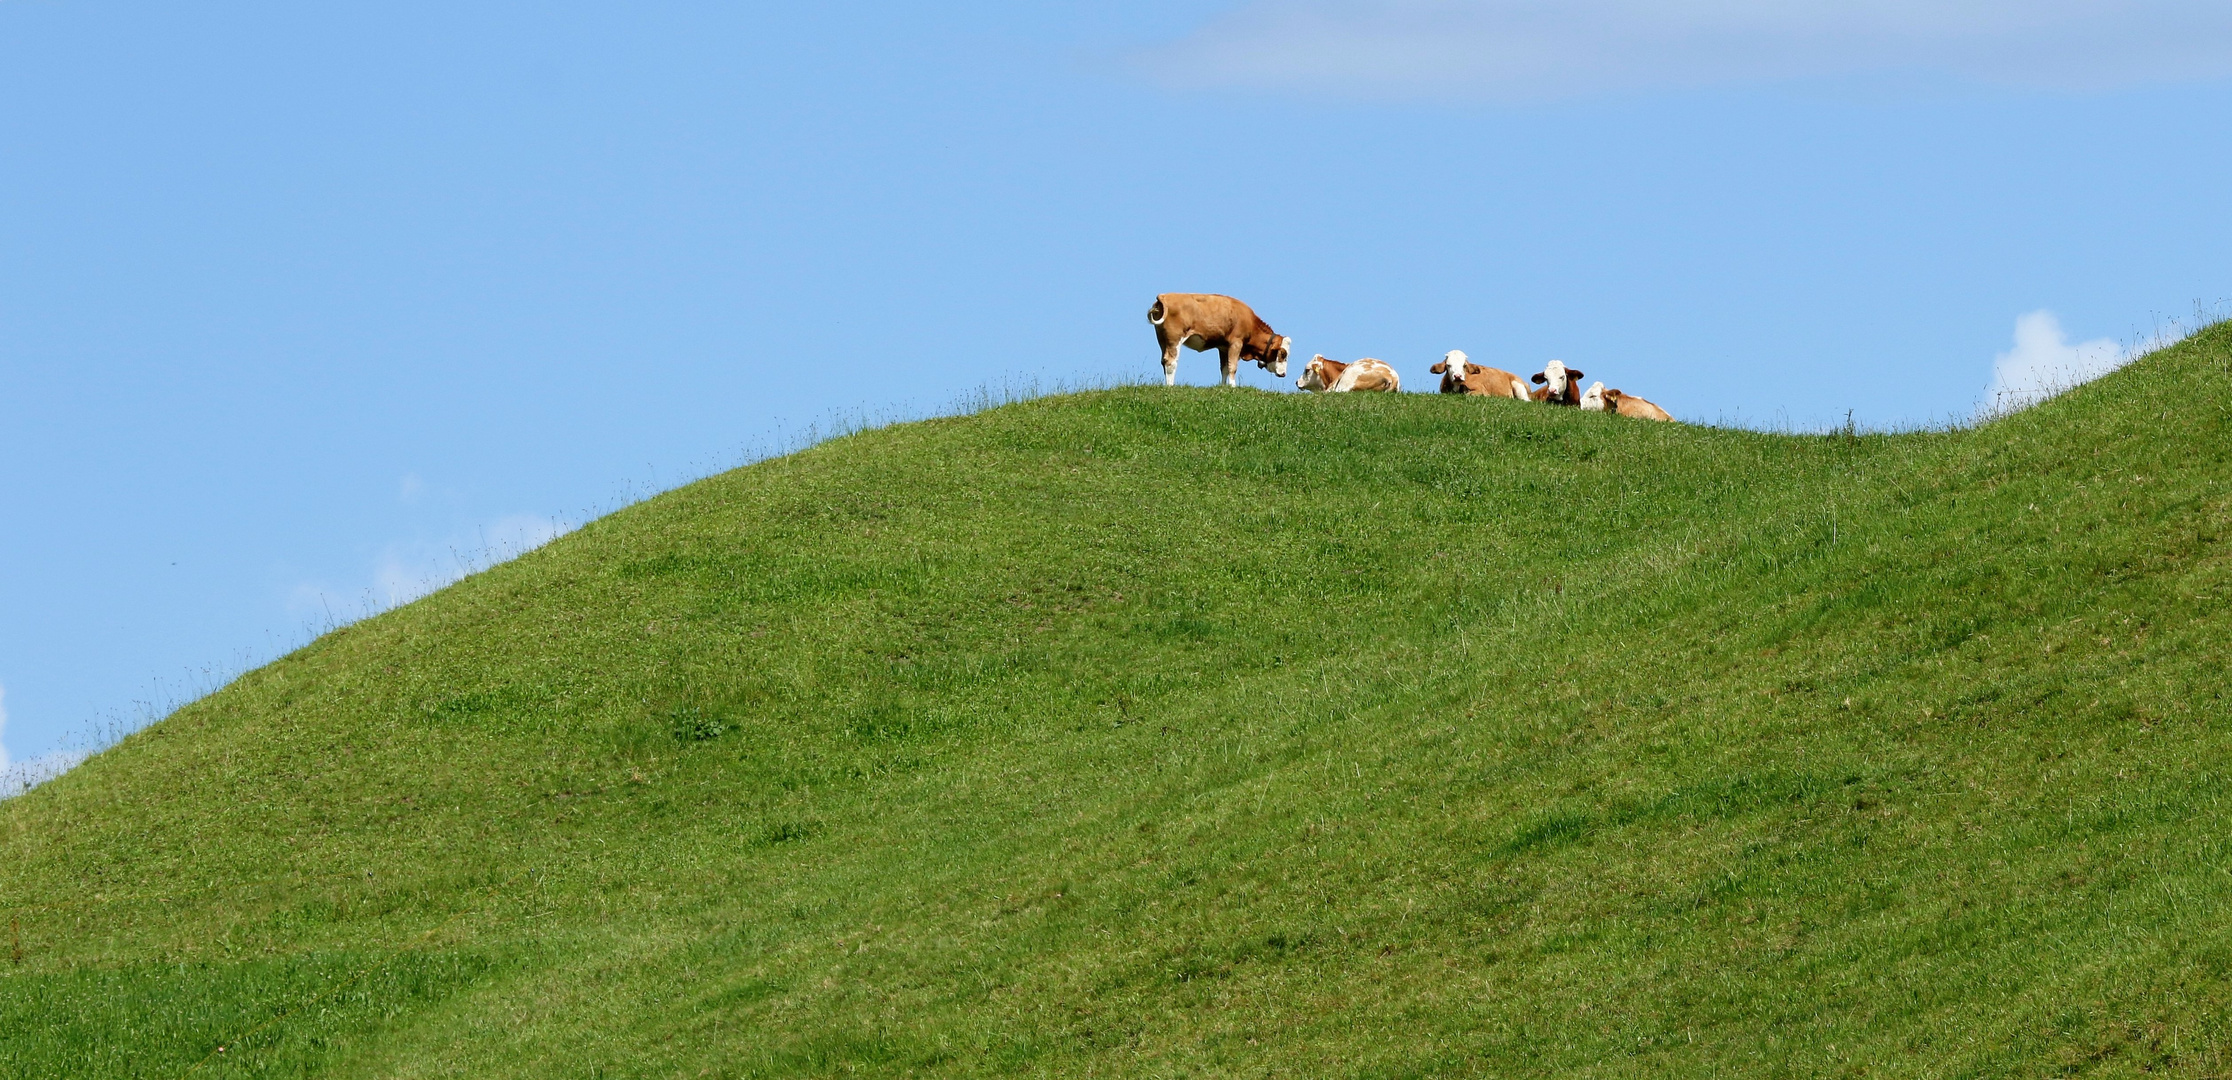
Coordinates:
x,y
1173,732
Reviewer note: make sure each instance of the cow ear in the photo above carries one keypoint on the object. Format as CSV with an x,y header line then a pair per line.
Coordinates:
x,y
1541,378
1576,373
1438,368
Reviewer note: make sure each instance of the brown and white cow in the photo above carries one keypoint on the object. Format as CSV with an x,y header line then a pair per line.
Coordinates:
x,y
1630,405
1334,377
1599,399
1204,321
1560,385
1462,376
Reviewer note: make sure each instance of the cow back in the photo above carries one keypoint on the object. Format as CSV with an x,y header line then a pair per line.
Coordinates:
x,y
1484,381
1208,314
1630,405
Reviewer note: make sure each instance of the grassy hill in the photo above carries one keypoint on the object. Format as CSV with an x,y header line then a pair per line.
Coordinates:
x,y
1201,732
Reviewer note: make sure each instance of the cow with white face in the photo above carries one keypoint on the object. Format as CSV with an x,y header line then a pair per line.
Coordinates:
x,y
1333,377
1599,399
1560,385
1461,376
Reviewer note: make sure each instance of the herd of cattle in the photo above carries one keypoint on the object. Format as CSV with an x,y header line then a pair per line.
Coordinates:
x,y
1204,321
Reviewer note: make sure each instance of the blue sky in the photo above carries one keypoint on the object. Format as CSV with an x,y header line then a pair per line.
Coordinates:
x,y
301,311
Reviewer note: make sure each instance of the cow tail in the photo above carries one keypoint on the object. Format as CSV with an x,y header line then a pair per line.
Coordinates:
x,y
1155,314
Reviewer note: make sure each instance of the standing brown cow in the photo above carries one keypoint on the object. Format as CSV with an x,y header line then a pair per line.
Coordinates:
x,y
1204,321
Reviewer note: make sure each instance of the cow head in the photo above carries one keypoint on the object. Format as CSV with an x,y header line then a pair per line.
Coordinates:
x,y
1558,380
1612,400
1274,358
1593,401
1319,374
1453,370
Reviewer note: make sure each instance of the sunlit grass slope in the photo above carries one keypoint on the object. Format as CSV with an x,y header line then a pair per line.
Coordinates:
x,y
1164,732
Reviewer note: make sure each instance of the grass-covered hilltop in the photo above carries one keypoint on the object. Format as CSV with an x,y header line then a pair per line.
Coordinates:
x,y
1155,732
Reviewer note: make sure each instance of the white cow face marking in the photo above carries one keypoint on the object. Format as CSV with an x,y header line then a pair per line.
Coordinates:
x,y
1555,377
1313,376
1276,362
1562,383
1593,401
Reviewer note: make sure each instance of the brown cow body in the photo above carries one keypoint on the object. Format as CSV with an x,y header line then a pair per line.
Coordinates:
x,y
1630,405
1599,399
1204,321
1462,376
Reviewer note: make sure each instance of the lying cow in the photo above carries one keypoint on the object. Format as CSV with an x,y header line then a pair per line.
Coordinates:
x,y
1560,385
1599,399
1204,321
1630,405
1462,376
1334,377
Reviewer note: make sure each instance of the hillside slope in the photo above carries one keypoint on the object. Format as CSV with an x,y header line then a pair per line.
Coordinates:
x,y
1175,732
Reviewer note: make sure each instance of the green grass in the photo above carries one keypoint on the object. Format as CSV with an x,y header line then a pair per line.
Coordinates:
x,y
1200,732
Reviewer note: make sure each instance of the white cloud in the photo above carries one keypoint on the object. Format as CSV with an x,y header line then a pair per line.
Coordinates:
x,y
2044,363
404,572
1532,50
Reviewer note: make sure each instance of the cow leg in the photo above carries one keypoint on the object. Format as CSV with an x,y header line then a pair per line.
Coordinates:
x,y
1228,358
1170,364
